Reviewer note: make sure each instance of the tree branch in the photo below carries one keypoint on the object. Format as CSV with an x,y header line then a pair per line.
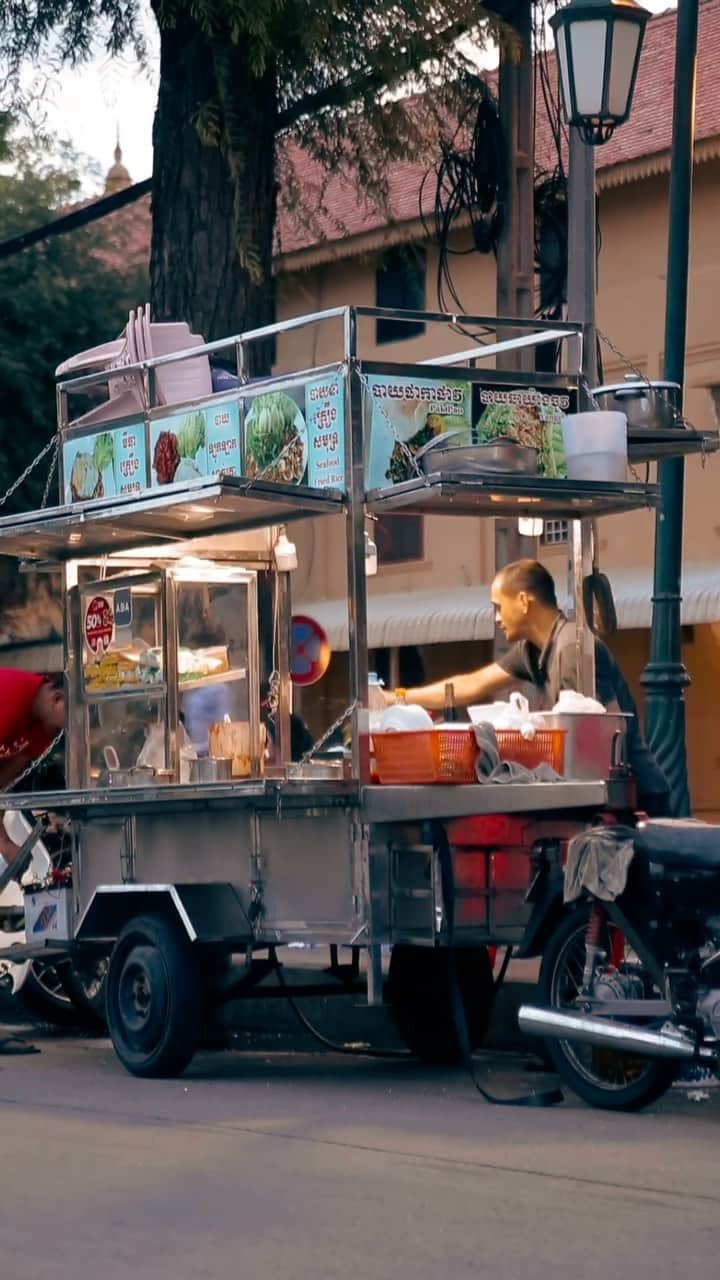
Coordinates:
x,y
343,92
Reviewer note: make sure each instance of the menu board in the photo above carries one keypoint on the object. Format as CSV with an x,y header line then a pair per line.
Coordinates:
x,y
325,418
200,442
530,415
297,436
403,414
108,464
294,436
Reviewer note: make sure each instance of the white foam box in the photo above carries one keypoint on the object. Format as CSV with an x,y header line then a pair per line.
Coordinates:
x,y
48,916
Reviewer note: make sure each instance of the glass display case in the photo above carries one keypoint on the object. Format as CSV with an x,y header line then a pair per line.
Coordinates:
x,y
164,667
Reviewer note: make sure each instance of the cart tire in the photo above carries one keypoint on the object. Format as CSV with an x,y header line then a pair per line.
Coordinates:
x,y
419,994
154,998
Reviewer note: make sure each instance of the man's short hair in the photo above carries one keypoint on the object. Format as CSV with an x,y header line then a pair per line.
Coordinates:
x,y
531,577
56,681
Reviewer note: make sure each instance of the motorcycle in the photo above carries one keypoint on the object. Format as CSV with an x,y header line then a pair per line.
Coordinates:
x,y
65,992
629,984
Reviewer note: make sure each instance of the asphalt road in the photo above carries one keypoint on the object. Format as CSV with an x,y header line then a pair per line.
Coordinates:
x,y
314,1166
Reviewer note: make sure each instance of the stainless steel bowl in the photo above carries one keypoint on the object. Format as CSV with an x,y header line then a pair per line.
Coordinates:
x,y
498,457
135,777
327,770
208,769
652,406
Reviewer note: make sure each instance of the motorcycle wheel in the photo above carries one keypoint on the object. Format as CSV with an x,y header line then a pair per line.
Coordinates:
x,y
84,982
601,1077
44,996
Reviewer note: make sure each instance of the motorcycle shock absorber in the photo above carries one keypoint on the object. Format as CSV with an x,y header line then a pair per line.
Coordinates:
x,y
594,953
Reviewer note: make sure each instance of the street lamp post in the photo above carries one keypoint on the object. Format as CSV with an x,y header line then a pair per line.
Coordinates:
x,y
665,677
598,45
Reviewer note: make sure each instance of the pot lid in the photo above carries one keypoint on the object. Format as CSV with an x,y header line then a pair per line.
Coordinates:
x,y
634,386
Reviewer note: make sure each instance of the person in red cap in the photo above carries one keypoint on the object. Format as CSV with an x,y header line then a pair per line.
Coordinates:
x,y
32,713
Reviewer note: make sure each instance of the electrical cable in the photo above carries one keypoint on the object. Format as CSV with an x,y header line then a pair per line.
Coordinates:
x,y
348,1049
469,186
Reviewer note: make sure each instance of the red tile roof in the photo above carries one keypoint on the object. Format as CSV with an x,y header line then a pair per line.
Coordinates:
x,y
646,134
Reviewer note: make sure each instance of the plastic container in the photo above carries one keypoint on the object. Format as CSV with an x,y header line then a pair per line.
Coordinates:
x,y
596,445
426,756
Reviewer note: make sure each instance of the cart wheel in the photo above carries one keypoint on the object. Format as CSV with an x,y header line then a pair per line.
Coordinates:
x,y
419,993
154,998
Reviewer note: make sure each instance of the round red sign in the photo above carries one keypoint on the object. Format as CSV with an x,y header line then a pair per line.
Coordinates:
x,y
99,624
310,651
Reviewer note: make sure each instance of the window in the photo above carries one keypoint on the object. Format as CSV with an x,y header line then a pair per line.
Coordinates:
x,y
399,539
400,283
556,533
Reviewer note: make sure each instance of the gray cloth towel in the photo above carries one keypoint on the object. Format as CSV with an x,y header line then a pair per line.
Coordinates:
x,y
490,768
598,861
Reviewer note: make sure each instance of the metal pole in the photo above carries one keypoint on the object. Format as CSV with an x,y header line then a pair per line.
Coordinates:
x,y
665,677
515,283
582,354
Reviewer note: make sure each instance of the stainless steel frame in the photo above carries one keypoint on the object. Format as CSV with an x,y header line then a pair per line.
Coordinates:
x,y
258,861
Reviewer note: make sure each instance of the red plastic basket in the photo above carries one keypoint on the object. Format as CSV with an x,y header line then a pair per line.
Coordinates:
x,y
547,747
426,755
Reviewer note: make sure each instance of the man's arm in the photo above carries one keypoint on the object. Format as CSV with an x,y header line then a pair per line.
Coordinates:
x,y
469,688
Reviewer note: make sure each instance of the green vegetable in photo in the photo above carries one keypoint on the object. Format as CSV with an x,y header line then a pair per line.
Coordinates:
x,y
104,451
191,435
270,426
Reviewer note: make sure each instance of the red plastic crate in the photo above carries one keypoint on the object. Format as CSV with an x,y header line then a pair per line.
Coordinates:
x,y
426,756
547,747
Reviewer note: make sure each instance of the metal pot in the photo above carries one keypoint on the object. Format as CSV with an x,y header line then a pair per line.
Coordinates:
x,y
210,769
503,456
652,406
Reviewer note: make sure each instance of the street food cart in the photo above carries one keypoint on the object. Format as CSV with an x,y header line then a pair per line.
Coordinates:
x,y
169,514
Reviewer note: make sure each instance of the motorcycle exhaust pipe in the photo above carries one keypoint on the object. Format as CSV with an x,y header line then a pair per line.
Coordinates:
x,y
622,1036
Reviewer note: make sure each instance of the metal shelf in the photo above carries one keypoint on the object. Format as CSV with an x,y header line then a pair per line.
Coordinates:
x,y
207,507
150,690
671,442
126,691
471,495
203,682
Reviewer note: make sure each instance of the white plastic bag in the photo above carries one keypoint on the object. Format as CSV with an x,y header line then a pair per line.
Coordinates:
x,y
513,714
152,755
571,702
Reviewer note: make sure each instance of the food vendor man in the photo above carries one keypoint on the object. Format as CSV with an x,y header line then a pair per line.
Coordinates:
x,y
32,713
542,652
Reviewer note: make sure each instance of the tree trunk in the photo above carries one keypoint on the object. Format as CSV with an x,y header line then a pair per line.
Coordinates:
x,y
213,205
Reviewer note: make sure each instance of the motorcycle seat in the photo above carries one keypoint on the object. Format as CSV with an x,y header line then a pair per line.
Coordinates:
x,y
680,845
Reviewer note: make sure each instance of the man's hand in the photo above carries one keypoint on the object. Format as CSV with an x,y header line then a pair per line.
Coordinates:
x,y
389,697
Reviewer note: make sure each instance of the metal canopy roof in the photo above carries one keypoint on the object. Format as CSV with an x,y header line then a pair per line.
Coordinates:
x,y
203,509
504,495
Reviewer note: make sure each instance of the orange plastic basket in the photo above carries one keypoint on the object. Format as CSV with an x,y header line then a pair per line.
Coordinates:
x,y
547,747
426,755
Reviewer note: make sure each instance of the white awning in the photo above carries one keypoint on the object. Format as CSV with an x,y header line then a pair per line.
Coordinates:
x,y
465,613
